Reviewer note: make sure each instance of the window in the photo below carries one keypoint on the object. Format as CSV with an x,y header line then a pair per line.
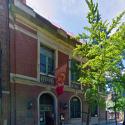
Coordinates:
x,y
46,61
75,108
75,73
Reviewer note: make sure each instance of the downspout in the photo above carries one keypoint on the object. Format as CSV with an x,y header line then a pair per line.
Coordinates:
x,y
13,79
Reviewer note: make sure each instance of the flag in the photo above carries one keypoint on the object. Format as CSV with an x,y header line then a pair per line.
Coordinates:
x,y
60,78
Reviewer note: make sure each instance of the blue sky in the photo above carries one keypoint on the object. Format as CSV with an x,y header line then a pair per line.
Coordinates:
x,y
71,14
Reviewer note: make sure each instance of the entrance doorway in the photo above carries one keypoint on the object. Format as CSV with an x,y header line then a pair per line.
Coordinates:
x,y
47,109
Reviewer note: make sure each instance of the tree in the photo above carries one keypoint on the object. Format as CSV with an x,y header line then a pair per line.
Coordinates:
x,y
118,92
100,54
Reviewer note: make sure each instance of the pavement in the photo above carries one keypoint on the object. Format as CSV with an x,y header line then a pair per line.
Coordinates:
x,y
109,123
113,123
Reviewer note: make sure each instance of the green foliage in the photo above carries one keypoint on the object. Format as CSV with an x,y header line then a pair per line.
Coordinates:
x,y
118,85
101,53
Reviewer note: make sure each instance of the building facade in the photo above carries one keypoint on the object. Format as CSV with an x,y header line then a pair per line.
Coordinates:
x,y
37,49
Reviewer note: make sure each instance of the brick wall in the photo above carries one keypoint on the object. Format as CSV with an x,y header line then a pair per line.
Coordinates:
x,y
25,93
4,41
23,53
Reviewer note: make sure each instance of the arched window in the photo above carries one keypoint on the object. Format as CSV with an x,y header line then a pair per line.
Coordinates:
x,y
75,108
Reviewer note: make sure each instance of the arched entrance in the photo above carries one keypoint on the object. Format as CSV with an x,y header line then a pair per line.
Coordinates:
x,y
47,109
75,107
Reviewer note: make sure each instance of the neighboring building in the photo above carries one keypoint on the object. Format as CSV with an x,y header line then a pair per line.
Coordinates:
x,y
37,48
4,63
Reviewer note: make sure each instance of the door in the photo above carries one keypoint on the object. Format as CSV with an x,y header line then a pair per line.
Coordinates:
x,y
46,110
49,118
42,118
46,115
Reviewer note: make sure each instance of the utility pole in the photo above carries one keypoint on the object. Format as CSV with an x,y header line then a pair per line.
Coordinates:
x,y
4,64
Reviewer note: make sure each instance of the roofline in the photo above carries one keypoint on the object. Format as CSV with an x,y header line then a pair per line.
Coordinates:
x,y
42,22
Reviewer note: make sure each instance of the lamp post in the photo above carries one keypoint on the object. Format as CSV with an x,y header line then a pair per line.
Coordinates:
x,y
114,97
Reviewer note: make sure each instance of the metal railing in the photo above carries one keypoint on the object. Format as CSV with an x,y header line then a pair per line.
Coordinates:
x,y
47,79
75,85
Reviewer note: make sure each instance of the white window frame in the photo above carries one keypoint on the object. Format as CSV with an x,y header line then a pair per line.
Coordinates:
x,y
54,52
70,107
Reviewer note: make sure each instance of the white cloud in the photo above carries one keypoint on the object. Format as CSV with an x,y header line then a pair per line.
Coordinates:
x,y
71,14
73,7
45,8
111,9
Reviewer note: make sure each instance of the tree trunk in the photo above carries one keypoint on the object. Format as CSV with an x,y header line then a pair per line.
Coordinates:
x,y
115,116
115,112
88,116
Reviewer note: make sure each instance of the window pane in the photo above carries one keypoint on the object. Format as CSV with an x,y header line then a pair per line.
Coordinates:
x,y
42,63
74,71
73,76
50,66
47,60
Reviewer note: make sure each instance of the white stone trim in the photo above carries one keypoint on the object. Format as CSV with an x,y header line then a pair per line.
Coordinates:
x,y
29,82
10,16
55,43
42,41
45,41
69,71
38,59
6,92
11,26
56,56
18,28
81,106
12,75
24,7
25,31
5,121
55,101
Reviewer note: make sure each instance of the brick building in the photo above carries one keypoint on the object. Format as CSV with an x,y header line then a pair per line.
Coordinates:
x,y
37,49
4,63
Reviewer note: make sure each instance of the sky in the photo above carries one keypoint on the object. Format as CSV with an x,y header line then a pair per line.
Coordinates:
x,y
70,15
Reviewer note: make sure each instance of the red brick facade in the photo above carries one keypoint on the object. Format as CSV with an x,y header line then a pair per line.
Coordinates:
x,y
24,54
25,93
24,61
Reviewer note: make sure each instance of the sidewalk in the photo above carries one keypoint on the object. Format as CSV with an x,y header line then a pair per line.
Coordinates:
x,y
112,123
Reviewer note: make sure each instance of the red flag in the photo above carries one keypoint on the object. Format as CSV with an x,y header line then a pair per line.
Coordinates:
x,y
60,79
